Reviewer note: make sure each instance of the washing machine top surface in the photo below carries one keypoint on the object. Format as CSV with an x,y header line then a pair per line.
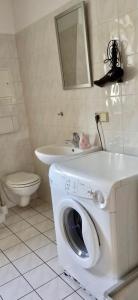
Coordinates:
x,y
101,165
103,169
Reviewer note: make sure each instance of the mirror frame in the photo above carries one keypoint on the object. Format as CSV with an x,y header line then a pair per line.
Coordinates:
x,y
87,50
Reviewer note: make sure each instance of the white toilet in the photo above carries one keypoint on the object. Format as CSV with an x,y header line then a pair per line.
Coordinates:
x,y
23,184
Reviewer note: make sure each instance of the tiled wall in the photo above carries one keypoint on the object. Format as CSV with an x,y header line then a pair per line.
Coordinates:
x,y
45,98
15,148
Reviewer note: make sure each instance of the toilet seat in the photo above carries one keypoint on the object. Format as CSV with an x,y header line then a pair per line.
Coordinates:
x,y
22,179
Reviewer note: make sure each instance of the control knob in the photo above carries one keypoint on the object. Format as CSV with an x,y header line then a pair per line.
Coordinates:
x,y
99,198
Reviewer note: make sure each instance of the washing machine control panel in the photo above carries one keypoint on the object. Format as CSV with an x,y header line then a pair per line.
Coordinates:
x,y
84,190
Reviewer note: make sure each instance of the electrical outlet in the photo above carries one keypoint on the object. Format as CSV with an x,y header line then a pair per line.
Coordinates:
x,y
104,116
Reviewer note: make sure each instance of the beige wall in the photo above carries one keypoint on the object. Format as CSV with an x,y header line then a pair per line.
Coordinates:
x,y
44,96
15,148
28,11
6,17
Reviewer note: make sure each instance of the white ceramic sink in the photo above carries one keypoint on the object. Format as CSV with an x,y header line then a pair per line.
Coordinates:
x,y
55,153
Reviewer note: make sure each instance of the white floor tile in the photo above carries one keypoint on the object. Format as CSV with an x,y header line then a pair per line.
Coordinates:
x,y
3,260
74,284
36,219
40,276
44,226
20,226
7,273
27,263
38,242
74,296
51,234
28,213
55,289
4,232
36,202
15,289
48,213
54,264
27,234
12,219
85,295
8,242
10,212
17,251
31,296
19,209
43,207
2,226
48,252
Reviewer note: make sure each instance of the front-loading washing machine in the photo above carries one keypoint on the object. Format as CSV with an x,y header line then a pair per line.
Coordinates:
x,y
95,203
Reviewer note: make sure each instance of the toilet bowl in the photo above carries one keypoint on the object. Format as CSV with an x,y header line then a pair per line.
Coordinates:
x,y
23,184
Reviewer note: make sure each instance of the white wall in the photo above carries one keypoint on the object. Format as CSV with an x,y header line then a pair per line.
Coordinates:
x,y
28,11
6,17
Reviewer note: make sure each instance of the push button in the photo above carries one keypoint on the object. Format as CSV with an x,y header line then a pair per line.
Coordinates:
x,y
67,185
91,193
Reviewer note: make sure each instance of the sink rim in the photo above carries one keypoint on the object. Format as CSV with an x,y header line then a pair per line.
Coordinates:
x,y
72,150
50,158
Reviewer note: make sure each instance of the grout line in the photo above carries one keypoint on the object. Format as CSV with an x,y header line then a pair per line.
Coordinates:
x,y
13,260
30,294
73,294
10,279
5,236
11,246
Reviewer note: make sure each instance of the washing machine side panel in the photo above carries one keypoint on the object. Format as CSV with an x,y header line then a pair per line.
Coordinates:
x,y
133,224
126,227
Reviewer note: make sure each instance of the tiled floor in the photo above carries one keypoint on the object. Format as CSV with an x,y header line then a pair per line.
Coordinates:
x,y
29,267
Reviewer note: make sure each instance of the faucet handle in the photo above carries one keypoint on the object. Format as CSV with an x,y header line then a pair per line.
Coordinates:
x,y
76,135
76,139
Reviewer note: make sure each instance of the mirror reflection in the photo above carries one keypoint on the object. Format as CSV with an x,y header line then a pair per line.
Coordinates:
x,y
73,47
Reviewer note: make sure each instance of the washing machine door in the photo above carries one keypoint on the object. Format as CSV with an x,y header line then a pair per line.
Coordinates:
x,y
79,232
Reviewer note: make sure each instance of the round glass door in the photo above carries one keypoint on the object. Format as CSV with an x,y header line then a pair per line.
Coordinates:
x,y
78,232
73,229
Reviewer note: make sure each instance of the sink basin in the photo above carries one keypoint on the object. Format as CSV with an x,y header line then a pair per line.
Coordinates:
x,y
56,153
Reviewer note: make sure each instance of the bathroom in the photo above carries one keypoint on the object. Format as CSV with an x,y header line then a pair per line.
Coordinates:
x,y
35,110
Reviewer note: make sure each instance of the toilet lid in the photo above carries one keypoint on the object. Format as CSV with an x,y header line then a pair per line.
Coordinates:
x,y
22,178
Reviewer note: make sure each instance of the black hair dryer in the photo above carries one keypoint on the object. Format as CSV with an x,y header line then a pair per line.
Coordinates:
x,y
115,74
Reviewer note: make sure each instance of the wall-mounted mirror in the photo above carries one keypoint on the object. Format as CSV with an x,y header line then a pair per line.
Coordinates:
x,y
73,49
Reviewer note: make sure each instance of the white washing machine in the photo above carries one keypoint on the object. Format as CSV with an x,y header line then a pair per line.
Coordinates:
x,y
95,202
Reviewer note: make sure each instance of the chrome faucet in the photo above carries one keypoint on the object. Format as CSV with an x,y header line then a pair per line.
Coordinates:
x,y
75,140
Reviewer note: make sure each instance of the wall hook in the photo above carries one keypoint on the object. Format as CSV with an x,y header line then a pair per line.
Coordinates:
x,y
60,114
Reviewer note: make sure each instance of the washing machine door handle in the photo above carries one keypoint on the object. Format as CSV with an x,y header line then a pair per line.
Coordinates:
x,y
81,235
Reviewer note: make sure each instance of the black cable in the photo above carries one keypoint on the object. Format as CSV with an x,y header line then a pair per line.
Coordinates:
x,y
113,54
97,120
